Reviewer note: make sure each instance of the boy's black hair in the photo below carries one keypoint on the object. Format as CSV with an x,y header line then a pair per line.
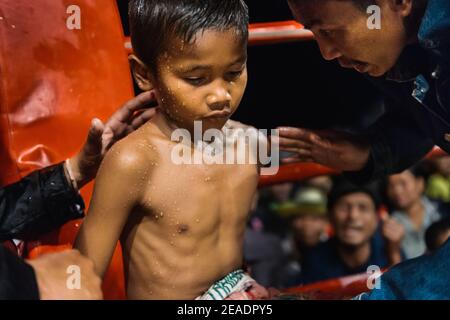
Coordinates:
x,y
434,231
154,23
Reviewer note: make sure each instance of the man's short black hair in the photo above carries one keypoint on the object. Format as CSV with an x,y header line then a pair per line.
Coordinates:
x,y
154,23
342,187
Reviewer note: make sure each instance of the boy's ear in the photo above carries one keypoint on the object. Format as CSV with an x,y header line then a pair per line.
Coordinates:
x,y
141,73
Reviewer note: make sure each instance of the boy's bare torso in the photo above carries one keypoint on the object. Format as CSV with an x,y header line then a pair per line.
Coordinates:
x,y
188,230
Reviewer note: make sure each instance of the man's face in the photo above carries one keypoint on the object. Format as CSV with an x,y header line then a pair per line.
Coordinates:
x,y
404,189
203,81
354,219
342,33
308,229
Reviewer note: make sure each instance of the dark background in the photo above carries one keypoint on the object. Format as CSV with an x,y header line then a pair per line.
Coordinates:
x,y
291,84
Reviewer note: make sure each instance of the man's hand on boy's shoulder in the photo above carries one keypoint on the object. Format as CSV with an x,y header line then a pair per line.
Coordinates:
x,y
101,137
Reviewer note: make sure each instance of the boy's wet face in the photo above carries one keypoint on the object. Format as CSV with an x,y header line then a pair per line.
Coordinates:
x,y
342,33
204,80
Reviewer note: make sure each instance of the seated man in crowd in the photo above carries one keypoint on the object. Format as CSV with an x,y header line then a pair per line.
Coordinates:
x,y
307,214
356,244
413,209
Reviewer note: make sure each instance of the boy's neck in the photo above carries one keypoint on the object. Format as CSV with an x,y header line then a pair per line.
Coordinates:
x,y
164,124
167,126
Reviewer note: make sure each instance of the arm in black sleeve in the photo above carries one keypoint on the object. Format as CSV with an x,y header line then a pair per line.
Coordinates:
x,y
17,278
39,203
397,142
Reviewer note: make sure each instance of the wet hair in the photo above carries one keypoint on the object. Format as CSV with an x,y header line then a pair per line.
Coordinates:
x,y
155,23
434,231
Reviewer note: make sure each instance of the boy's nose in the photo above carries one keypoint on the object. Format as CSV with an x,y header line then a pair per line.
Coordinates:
x,y
219,99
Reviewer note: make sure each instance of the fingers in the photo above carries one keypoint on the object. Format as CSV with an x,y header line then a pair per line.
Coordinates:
x,y
392,229
142,101
288,143
296,159
95,131
142,118
297,134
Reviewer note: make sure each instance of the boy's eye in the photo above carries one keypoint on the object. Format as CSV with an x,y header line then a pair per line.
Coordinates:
x,y
195,81
233,75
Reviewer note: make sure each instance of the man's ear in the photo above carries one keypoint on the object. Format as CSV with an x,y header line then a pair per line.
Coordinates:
x,y
141,73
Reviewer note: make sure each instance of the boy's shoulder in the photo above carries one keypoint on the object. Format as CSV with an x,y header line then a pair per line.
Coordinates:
x,y
131,155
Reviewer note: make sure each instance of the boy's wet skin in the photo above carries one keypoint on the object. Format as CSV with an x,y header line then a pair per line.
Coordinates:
x,y
181,226
187,231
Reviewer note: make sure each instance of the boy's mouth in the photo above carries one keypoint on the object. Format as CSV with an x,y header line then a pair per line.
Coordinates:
x,y
218,115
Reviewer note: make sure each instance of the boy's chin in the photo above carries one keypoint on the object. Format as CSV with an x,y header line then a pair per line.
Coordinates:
x,y
216,123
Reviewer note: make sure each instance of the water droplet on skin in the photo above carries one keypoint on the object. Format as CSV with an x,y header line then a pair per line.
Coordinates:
x,y
207,179
161,214
197,220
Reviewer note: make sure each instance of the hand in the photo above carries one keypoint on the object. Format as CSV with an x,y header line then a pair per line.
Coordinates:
x,y
52,277
393,232
101,136
330,148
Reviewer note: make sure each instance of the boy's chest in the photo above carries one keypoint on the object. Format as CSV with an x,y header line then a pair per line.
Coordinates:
x,y
211,193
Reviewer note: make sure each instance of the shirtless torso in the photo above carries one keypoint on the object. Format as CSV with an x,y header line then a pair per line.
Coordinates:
x,y
185,225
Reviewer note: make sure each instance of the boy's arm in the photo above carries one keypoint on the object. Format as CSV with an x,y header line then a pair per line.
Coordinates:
x,y
117,191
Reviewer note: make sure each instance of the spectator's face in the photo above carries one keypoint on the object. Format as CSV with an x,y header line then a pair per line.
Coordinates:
x,y
342,32
308,229
354,219
282,191
404,189
443,165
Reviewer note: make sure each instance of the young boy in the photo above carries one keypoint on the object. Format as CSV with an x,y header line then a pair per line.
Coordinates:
x,y
181,226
